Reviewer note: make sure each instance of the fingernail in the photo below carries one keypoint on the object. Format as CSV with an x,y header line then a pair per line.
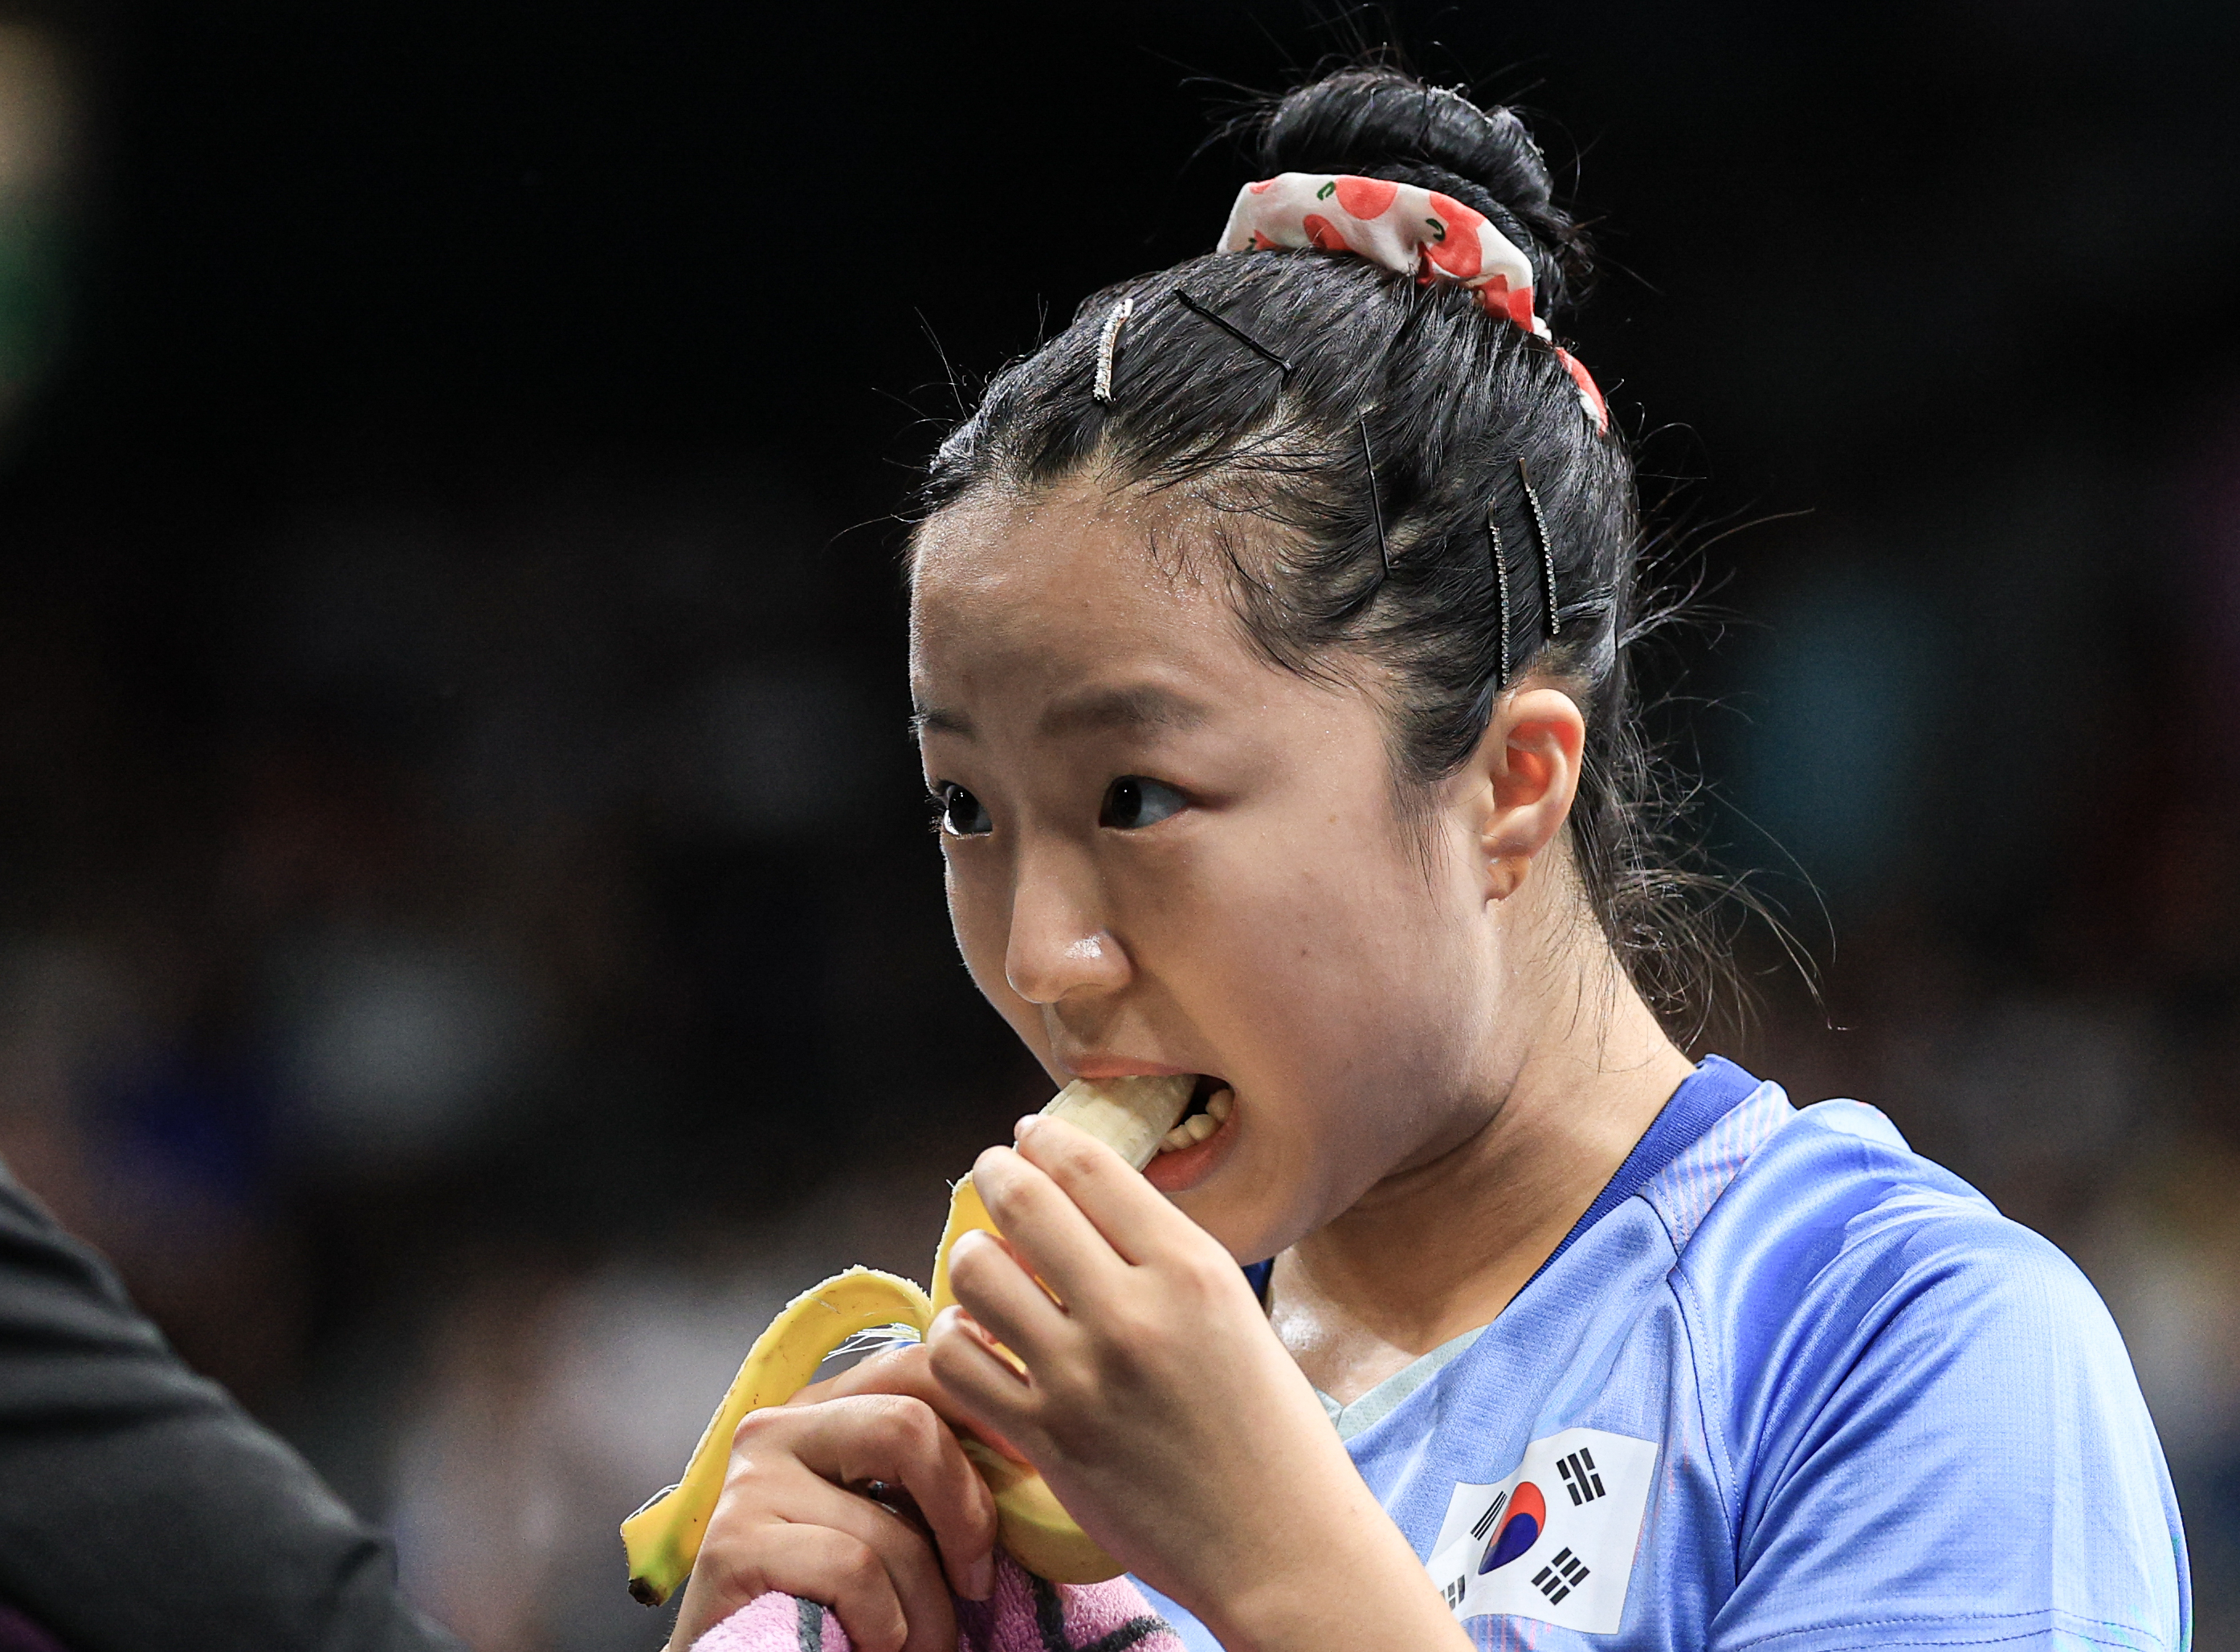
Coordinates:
x,y
1033,1121
980,1582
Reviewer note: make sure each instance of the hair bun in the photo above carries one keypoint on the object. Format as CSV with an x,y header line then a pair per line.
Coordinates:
x,y
1380,123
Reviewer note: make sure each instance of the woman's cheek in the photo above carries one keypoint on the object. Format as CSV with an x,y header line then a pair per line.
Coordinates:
x,y
1261,1199
977,918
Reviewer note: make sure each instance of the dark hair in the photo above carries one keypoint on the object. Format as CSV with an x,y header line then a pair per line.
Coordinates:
x,y
1392,428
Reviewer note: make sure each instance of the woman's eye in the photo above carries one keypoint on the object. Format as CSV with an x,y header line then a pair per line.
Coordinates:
x,y
959,813
1132,800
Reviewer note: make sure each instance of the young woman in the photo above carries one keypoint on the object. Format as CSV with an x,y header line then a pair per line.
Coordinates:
x,y
1269,645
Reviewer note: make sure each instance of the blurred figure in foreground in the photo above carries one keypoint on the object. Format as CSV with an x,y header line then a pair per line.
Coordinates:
x,y
139,1506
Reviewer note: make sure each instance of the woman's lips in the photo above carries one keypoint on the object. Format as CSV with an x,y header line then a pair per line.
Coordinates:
x,y
1093,1068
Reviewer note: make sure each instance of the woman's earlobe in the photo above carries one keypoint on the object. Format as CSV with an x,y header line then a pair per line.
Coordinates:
x,y
1533,751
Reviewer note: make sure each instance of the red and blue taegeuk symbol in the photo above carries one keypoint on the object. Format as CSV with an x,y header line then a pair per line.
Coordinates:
x,y
1526,1519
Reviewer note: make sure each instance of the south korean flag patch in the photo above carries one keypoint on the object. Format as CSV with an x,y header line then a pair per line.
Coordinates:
x,y
1556,1540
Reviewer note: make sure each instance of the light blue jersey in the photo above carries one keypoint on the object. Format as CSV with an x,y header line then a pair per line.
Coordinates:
x,y
1803,1391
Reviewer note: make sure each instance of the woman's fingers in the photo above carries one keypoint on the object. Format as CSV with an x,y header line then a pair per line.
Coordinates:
x,y
1130,1216
913,1574
793,1516
910,1370
1040,1218
898,1441
996,1288
986,1383
906,1369
816,1562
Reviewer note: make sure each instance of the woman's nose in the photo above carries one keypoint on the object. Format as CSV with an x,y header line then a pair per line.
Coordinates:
x,y
1058,946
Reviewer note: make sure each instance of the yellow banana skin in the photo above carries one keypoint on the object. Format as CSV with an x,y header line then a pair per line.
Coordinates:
x,y
663,1539
966,1214
1033,1524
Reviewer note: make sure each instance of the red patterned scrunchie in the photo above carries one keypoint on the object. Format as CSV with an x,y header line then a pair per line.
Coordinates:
x,y
1416,231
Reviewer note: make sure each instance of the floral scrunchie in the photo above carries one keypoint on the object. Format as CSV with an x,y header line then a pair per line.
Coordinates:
x,y
1416,231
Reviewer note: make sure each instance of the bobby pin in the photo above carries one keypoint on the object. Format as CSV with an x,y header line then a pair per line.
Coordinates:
x,y
1376,505
1501,585
1547,552
1105,346
1237,333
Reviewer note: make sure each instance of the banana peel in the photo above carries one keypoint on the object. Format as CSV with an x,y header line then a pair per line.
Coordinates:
x,y
662,1538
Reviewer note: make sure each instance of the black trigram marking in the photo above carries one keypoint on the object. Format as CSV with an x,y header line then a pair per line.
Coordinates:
x,y
1491,1517
1454,1592
1580,1478
1560,1576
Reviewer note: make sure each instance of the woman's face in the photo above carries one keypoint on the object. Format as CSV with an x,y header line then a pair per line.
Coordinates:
x,y
1165,855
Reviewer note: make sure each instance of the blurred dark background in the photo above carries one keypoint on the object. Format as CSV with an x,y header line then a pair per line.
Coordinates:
x,y
468,945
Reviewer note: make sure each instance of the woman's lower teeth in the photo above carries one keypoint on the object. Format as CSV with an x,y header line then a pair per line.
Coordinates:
x,y
1198,1126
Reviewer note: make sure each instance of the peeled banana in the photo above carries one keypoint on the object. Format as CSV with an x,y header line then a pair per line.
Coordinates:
x,y
663,1539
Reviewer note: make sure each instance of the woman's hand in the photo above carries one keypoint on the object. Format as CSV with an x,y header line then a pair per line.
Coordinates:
x,y
789,1519
1162,1410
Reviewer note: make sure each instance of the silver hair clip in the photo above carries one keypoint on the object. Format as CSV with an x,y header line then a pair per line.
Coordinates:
x,y
1376,505
1236,332
1501,585
1547,551
1105,346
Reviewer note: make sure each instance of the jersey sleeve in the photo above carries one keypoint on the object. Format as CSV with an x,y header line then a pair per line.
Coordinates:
x,y
1938,1442
139,1506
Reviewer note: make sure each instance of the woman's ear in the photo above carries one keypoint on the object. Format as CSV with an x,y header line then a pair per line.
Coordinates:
x,y
1528,763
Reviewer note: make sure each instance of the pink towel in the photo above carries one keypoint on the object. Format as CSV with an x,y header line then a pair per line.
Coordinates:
x,y
1024,1615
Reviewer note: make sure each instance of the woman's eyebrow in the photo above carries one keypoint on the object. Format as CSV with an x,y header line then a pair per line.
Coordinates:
x,y
1144,706
933,719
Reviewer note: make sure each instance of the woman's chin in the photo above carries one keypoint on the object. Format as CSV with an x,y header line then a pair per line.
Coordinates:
x,y
1184,1167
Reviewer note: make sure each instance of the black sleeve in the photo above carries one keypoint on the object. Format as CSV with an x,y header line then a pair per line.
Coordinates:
x,y
139,1506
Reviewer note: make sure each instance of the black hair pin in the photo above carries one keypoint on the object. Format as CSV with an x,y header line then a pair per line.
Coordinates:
x,y
1236,332
1501,587
1376,505
1547,551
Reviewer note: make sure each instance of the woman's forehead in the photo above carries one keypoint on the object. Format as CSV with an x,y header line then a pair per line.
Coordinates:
x,y
1076,573
1064,617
